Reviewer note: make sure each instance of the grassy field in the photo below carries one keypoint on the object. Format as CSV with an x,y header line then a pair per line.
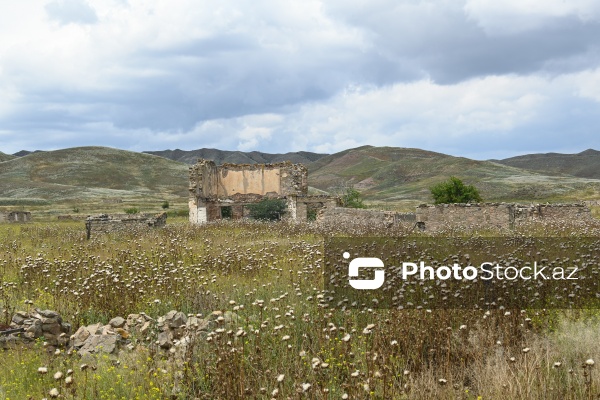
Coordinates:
x,y
289,339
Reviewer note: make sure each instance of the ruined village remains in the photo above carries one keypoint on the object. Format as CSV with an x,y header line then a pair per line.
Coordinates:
x,y
15,216
226,190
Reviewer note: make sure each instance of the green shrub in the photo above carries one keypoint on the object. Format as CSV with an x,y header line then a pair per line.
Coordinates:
x,y
132,210
178,213
268,209
454,191
165,205
352,199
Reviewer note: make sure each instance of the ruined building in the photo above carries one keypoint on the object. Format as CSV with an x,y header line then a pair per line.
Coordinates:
x,y
218,192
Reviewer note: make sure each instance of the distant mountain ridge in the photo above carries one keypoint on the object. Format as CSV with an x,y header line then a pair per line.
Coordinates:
x,y
236,157
390,175
584,165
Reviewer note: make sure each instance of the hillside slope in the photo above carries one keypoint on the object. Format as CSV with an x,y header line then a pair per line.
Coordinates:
x,y
5,157
91,173
584,165
236,157
391,173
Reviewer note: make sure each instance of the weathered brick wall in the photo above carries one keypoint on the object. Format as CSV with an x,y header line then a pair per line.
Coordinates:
x,y
105,223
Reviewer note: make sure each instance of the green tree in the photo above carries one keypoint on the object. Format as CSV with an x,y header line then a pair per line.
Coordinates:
x,y
352,198
454,191
267,209
165,204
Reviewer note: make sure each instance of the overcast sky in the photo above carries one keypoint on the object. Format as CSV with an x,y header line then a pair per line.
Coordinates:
x,y
475,78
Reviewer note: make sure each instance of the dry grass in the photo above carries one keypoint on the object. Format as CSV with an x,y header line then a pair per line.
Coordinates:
x,y
289,340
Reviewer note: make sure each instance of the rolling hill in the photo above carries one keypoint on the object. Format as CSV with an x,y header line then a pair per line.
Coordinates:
x,y
584,165
236,157
91,174
92,177
5,157
398,174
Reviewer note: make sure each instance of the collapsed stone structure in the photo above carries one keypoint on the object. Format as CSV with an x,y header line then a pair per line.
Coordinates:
x,y
218,192
15,216
105,223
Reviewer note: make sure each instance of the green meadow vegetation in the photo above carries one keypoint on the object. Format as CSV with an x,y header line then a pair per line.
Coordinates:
x,y
289,339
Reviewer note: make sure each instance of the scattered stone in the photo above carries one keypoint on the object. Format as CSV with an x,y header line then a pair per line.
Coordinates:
x,y
117,322
99,344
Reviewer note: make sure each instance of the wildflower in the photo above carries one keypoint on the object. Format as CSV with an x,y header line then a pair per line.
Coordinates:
x,y
526,350
280,377
58,375
306,386
42,370
589,362
442,381
557,364
53,392
346,338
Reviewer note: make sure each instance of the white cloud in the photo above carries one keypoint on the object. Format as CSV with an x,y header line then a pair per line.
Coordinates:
x,y
288,75
71,11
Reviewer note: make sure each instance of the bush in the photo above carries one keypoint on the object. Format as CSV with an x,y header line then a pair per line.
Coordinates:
x,y
178,213
268,209
132,210
454,191
352,199
165,204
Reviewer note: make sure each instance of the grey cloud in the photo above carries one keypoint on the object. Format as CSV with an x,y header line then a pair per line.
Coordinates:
x,y
71,11
448,46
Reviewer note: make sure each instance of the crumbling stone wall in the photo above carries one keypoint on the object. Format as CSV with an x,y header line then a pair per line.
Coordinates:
x,y
358,216
437,217
15,216
496,215
105,223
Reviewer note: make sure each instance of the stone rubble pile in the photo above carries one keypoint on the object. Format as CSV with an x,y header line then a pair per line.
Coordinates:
x,y
28,326
171,332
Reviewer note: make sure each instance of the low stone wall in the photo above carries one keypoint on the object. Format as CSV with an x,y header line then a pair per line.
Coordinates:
x,y
363,216
105,223
496,215
15,216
